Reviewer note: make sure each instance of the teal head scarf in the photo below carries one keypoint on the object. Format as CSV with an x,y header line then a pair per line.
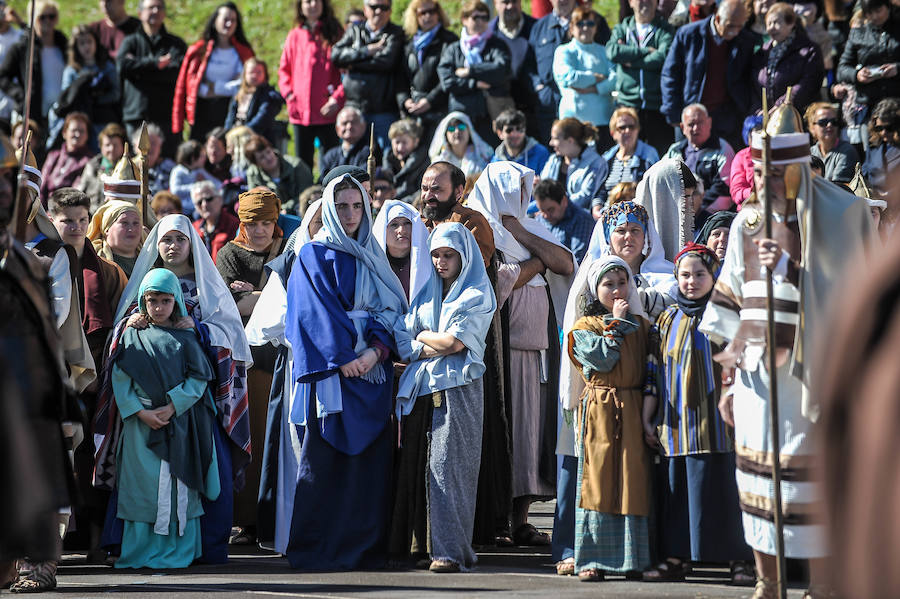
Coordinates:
x,y
163,281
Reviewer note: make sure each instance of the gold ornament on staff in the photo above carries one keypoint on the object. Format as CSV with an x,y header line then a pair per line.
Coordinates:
x,y
143,149
774,422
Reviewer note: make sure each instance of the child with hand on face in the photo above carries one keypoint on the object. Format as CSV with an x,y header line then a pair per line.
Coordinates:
x,y
610,346
166,455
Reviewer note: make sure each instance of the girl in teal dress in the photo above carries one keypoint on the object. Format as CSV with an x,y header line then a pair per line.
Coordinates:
x,y
166,453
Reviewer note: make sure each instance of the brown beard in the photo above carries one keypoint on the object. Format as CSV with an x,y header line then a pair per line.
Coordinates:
x,y
440,212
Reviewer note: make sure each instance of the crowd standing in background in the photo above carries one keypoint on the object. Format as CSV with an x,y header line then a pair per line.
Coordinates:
x,y
550,287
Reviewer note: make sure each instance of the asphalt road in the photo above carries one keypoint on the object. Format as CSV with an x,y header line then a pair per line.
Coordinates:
x,y
518,572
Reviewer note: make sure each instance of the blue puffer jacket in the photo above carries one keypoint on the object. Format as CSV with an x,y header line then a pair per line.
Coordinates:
x,y
684,73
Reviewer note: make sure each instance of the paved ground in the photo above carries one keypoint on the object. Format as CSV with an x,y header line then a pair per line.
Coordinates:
x,y
501,573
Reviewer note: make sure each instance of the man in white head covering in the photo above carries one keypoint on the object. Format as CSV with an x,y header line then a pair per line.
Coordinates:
x,y
816,227
535,302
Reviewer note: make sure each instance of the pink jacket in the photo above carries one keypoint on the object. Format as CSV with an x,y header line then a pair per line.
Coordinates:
x,y
740,183
307,78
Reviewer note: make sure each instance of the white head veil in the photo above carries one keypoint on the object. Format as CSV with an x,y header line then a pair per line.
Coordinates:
x,y
504,189
482,149
217,307
419,258
661,191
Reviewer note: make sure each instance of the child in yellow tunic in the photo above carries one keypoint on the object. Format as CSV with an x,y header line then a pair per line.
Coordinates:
x,y
610,346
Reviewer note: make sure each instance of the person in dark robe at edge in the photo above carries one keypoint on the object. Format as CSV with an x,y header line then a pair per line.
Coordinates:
x,y
343,301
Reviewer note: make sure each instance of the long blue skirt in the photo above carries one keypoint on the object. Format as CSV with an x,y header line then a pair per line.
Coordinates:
x,y
342,504
699,517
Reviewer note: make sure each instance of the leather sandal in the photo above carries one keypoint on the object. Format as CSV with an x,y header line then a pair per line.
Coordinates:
x,y
765,589
591,575
566,567
743,574
671,570
443,566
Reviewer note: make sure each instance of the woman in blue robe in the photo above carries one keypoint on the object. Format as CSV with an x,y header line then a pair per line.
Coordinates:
x,y
343,302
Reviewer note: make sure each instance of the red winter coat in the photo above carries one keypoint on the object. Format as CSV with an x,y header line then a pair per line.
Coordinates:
x,y
193,67
740,182
307,78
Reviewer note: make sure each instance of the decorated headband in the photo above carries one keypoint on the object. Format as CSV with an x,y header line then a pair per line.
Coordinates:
x,y
624,212
706,255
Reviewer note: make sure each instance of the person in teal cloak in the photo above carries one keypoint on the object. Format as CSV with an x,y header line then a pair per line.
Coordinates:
x,y
166,454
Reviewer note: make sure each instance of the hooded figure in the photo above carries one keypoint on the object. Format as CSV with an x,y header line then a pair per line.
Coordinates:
x,y
478,152
281,454
662,193
414,269
163,471
343,303
449,389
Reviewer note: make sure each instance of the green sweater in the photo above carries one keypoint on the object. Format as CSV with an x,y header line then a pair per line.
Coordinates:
x,y
639,68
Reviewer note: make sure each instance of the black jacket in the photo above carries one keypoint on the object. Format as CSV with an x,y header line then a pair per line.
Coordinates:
x,y
870,46
357,156
369,83
14,71
408,180
147,91
464,94
415,81
264,106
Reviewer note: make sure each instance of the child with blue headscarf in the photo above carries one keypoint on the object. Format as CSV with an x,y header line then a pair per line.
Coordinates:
x,y
443,335
166,456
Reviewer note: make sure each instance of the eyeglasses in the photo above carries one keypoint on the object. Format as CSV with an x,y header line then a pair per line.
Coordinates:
x,y
206,199
826,122
379,7
48,17
459,126
513,129
423,12
586,24
480,17
626,127
381,189
883,128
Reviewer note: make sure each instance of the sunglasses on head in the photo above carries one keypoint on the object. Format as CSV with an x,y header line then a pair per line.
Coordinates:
x,y
427,11
379,7
480,17
825,122
456,126
585,24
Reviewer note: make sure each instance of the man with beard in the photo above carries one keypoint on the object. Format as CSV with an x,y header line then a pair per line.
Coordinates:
x,y
441,193
36,480
442,189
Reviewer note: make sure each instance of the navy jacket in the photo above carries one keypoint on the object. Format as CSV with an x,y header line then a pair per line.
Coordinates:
x,y
463,93
684,74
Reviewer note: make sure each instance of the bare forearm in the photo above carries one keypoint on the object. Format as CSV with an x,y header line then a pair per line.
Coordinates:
x,y
444,343
554,257
528,270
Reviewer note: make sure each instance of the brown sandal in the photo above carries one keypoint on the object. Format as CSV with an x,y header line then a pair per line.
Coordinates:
x,y
566,567
765,589
444,566
590,575
671,570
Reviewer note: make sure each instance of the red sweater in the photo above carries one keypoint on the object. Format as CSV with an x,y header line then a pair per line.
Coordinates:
x,y
184,104
714,92
307,78
226,230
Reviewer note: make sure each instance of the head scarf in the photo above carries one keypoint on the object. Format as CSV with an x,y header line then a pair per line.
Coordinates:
x,y
162,281
301,236
482,150
584,291
419,257
661,192
217,308
695,307
504,189
621,213
103,219
378,291
258,204
465,312
721,219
